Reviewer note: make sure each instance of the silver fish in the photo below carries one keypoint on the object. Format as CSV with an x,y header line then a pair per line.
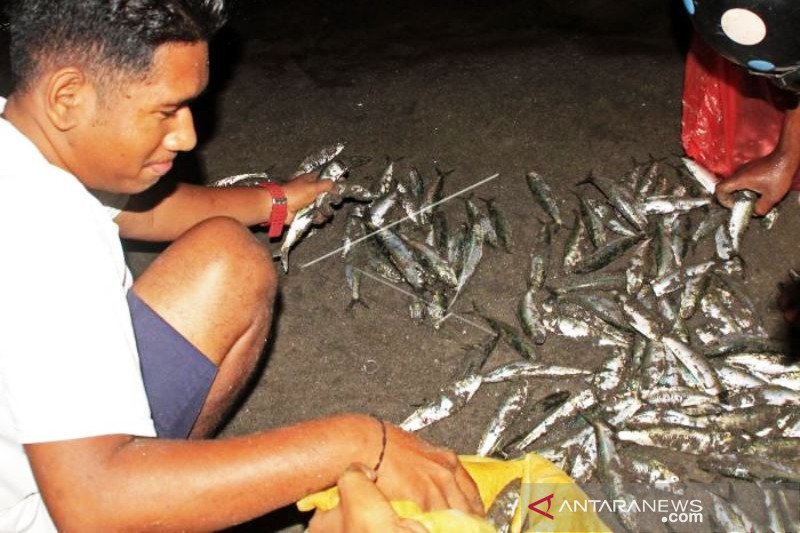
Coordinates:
x,y
501,225
661,205
603,256
701,175
402,258
530,318
544,196
506,413
316,160
250,179
695,363
450,400
741,212
621,199
472,253
526,369
303,219
572,249
577,403
593,223
501,513
688,440
540,257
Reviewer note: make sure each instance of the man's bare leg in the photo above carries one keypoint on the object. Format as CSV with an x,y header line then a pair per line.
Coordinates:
x,y
216,286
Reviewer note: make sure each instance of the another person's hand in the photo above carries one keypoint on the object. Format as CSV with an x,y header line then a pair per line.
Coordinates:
x,y
302,190
362,508
770,177
413,469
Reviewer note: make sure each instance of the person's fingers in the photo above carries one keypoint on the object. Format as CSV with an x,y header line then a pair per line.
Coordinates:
x,y
326,521
470,490
364,507
764,204
457,488
724,193
412,526
308,177
323,186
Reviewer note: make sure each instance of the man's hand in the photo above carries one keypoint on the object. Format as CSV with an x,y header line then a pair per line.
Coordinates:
x,y
362,508
412,469
770,177
302,190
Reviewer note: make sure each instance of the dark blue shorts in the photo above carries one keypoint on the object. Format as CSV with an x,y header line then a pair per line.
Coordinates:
x,y
177,377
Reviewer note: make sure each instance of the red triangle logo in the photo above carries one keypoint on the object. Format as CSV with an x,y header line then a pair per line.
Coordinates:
x,y
549,500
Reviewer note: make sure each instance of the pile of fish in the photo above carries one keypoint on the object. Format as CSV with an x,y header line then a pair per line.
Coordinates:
x,y
652,274
403,237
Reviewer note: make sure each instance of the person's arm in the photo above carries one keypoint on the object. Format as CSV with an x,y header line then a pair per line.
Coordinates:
x,y
119,482
188,205
771,176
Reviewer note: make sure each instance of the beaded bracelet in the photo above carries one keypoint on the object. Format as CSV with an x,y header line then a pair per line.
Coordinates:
x,y
383,445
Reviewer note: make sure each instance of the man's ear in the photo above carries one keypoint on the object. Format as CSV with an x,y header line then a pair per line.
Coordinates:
x,y
69,97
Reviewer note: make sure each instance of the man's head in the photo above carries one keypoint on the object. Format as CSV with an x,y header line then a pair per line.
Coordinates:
x,y
108,82
108,38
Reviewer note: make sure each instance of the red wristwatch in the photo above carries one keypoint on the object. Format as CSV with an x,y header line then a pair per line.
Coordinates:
x,y
277,216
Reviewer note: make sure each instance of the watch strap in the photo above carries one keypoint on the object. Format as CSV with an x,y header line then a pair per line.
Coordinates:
x,y
277,216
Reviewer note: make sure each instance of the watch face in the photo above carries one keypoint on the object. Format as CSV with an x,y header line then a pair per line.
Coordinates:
x,y
761,35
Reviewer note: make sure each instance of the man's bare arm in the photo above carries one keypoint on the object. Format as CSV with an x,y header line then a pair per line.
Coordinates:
x,y
119,482
188,205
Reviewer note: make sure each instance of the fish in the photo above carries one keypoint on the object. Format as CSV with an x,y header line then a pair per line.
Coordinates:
x,y
620,198
333,171
530,318
450,400
509,334
688,440
315,161
610,472
477,355
472,253
751,467
593,222
249,179
540,258
581,401
501,513
572,249
704,177
526,369
402,258
509,409
603,256
501,225
544,196
662,205
744,203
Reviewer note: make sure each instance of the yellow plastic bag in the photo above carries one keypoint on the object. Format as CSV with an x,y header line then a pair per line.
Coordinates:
x,y
542,482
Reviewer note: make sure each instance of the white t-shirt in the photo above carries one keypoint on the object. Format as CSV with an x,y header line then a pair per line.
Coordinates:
x,y
68,361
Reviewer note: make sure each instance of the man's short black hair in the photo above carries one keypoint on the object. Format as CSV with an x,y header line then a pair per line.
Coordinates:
x,y
107,37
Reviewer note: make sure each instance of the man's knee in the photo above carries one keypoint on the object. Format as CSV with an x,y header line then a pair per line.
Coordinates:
x,y
230,255
216,269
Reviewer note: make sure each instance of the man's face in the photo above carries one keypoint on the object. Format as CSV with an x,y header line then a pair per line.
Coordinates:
x,y
131,137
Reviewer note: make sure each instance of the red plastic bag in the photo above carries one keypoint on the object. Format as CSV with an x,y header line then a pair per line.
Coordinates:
x,y
730,117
